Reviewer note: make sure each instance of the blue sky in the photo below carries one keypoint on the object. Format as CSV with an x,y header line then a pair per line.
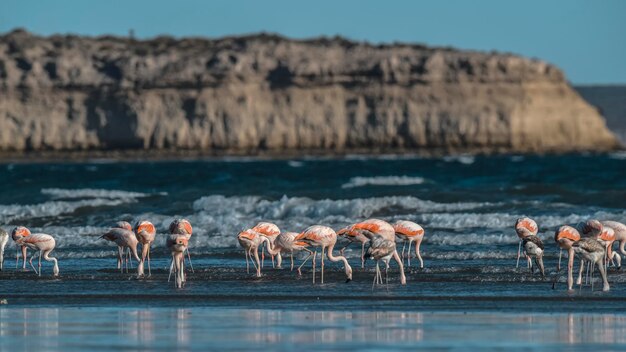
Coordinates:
x,y
587,39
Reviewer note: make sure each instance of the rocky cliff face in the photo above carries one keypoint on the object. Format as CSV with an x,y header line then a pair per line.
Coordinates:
x,y
266,92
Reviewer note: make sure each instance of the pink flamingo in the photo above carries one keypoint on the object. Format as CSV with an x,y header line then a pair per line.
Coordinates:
x,y
408,231
326,238
250,241
594,230
145,232
525,227
565,237
41,242
285,242
620,233
24,250
4,238
381,249
592,250
353,237
271,231
182,227
375,227
124,237
178,244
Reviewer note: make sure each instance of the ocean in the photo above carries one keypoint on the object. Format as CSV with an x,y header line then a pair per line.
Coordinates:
x,y
469,294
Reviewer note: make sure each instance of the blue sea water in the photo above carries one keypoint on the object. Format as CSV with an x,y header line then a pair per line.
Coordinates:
x,y
467,205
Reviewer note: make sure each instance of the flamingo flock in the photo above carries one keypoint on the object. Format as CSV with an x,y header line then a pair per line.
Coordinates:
x,y
591,241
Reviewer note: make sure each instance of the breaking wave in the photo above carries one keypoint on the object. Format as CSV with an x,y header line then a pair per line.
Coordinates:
x,y
383,181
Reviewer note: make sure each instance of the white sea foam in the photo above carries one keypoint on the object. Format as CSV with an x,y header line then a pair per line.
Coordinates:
x,y
383,181
618,155
463,159
10,213
67,201
295,163
58,193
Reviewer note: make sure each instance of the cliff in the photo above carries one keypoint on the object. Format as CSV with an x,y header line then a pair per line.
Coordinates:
x,y
268,93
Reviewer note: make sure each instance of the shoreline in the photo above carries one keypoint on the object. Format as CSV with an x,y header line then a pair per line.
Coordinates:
x,y
132,155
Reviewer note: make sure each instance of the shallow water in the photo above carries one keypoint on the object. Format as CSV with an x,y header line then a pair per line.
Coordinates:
x,y
166,329
467,205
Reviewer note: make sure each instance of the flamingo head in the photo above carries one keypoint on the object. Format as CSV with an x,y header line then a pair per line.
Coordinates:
x,y
19,232
565,236
525,227
593,228
145,226
123,225
181,227
178,243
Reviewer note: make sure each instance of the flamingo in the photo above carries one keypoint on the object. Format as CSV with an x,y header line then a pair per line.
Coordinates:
x,y
352,237
607,237
124,237
524,227
145,232
604,236
565,236
408,231
620,233
4,238
285,243
182,227
271,231
41,242
326,238
593,251
381,249
178,245
533,248
250,240
375,227
17,254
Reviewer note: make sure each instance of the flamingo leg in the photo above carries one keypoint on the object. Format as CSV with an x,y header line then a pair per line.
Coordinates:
x,y
259,264
189,257
171,268
120,262
24,255
363,255
375,277
409,254
322,264
604,279
304,262
149,269
263,255
403,245
314,255
17,257
40,253
558,266
30,261
519,253
247,263
579,280
418,244
387,276
291,260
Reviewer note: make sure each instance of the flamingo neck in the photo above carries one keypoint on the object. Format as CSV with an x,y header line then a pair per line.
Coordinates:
x,y
270,247
332,258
